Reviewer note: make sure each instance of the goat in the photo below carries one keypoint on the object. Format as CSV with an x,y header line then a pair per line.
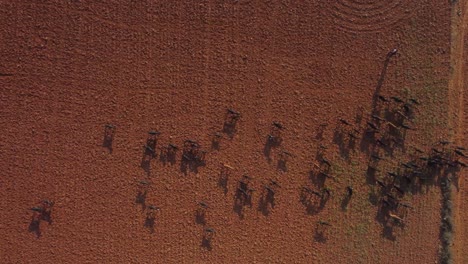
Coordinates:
x,y
383,99
395,217
325,161
372,125
323,223
393,52
396,99
406,127
344,122
380,142
460,153
278,125
378,118
380,183
414,101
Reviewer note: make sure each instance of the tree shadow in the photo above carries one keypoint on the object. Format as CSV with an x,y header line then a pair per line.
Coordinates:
x,y
368,140
378,87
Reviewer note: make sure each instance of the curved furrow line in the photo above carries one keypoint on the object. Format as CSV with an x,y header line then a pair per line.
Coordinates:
x,y
376,9
371,16
369,28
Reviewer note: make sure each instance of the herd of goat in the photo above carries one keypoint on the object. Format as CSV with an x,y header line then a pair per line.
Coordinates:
x,y
385,131
379,135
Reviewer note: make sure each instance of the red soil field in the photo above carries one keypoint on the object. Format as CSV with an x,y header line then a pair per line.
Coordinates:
x,y
70,67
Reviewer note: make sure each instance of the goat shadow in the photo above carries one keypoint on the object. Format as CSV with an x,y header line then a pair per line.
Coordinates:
x,y
345,202
34,227
229,128
339,140
166,156
320,236
281,165
206,243
140,198
200,217
317,178
270,144
267,201
150,222
108,139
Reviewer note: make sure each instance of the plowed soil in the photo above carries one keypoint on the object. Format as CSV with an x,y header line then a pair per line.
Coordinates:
x,y
70,67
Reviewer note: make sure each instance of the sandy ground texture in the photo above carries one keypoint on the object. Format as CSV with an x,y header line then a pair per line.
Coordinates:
x,y
69,68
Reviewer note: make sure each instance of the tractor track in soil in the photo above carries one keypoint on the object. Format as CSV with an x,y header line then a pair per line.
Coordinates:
x,y
459,117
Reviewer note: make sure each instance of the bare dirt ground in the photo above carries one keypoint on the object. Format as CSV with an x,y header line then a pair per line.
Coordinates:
x,y
70,67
